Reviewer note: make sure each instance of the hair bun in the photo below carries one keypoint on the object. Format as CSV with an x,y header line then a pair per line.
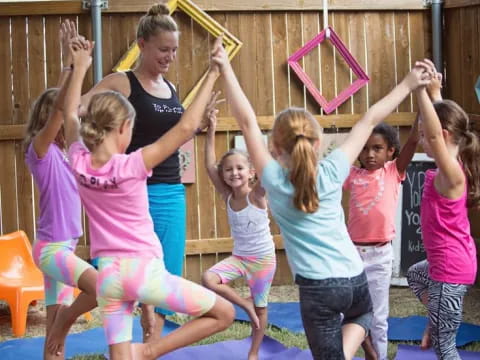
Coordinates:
x,y
158,9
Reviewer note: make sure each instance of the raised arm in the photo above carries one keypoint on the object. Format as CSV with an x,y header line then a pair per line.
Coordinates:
x,y
450,170
243,112
82,59
210,158
157,152
357,138
408,150
49,132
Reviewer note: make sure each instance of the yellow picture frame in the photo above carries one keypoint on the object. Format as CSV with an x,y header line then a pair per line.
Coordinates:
x,y
230,42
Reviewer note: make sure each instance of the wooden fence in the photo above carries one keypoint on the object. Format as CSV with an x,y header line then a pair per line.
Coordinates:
x,y
386,42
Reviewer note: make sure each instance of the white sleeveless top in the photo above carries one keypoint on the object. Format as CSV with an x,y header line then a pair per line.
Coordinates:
x,y
250,230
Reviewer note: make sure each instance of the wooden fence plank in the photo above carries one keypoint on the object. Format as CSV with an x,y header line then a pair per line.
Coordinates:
x,y
228,123
295,42
311,61
402,54
51,7
358,48
6,106
264,77
20,71
53,49
342,70
280,66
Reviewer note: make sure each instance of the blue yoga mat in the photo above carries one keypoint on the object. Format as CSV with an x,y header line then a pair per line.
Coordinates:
x,y
87,342
408,352
287,316
282,315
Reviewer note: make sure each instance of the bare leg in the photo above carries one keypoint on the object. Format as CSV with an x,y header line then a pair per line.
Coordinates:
x,y
258,333
353,336
212,281
370,353
217,319
152,324
66,315
51,313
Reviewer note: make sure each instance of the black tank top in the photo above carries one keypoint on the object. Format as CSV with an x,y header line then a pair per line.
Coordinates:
x,y
155,116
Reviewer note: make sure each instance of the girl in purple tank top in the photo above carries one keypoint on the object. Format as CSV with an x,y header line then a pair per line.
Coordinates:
x,y
441,281
59,224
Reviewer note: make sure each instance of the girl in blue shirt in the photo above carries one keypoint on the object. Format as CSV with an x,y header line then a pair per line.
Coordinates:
x,y
304,195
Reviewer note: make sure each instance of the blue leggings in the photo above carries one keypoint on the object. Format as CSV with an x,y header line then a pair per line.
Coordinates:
x,y
168,211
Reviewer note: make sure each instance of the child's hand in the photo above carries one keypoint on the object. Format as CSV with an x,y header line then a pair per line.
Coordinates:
x,y
434,89
68,31
219,57
81,52
420,75
211,110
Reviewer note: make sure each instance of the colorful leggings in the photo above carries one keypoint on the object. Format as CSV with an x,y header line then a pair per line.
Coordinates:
x,y
445,305
124,281
61,269
257,270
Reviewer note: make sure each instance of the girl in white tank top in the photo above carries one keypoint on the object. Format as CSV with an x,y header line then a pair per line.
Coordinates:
x,y
253,255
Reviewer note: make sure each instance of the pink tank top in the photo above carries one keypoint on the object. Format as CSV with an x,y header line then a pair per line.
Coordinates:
x,y
450,248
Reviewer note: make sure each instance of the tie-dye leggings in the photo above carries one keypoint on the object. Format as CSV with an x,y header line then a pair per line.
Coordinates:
x,y
124,281
61,269
258,271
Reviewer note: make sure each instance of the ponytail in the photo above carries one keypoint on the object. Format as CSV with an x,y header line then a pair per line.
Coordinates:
x,y
296,131
303,175
469,153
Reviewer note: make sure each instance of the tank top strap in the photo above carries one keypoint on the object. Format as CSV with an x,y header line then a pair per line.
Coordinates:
x,y
248,200
170,86
135,86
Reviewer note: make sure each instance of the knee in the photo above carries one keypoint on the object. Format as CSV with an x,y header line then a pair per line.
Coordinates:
x,y
225,313
209,279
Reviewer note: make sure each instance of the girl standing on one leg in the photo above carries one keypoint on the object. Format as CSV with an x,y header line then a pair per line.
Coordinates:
x,y
374,189
59,225
442,280
305,198
113,191
253,255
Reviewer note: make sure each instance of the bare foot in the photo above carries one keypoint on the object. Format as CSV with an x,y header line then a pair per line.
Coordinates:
x,y
426,340
141,352
250,309
147,320
58,332
252,356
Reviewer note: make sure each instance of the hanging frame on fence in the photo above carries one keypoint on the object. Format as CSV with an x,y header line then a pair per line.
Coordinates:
x,y
328,33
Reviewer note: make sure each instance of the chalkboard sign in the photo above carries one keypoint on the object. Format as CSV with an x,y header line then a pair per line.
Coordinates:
x,y
411,248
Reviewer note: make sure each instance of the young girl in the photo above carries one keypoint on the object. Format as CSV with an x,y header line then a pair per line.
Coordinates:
x,y
442,280
59,225
374,189
254,251
113,191
305,198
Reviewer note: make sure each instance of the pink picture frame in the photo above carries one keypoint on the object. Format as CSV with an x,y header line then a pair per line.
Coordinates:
x,y
362,77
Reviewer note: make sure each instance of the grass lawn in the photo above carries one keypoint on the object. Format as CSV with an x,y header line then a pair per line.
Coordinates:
x,y
402,303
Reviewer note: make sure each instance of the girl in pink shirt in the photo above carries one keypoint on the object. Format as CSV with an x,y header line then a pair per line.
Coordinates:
x,y
59,224
374,189
112,188
442,280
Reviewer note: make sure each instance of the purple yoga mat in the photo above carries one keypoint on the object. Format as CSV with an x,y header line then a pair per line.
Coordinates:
x,y
408,352
238,349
